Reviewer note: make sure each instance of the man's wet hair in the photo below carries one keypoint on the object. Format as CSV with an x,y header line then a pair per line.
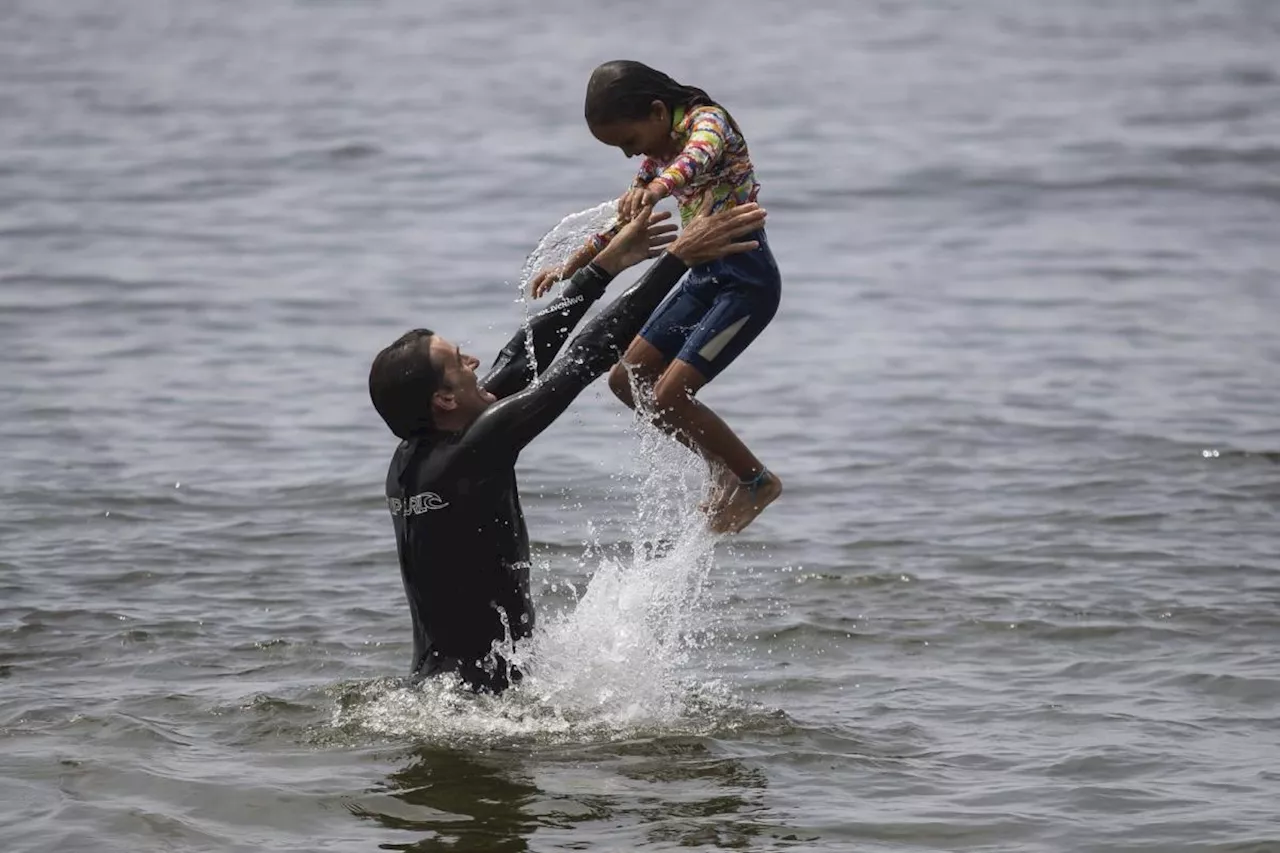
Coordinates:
x,y
402,381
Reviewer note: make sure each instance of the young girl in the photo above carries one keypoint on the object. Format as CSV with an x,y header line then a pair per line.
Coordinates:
x,y
695,152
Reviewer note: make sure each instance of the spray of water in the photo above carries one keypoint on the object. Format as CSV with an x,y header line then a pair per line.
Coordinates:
x,y
622,661
566,238
625,649
554,249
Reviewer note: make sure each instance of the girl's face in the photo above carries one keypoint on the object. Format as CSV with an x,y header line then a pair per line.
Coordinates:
x,y
650,136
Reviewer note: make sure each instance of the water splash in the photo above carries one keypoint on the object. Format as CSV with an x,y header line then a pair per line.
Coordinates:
x,y
566,238
625,647
621,662
553,251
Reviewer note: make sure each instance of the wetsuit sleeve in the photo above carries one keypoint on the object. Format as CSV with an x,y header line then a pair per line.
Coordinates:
x,y
550,327
706,143
499,434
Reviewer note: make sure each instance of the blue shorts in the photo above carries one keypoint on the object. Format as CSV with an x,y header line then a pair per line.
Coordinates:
x,y
718,310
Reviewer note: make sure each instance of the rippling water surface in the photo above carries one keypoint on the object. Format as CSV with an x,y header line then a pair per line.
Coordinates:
x,y
1022,591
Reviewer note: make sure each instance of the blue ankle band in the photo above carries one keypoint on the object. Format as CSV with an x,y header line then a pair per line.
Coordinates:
x,y
754,483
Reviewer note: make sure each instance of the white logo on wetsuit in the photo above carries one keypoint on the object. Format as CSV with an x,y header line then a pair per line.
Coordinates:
x,y
574,300
417,504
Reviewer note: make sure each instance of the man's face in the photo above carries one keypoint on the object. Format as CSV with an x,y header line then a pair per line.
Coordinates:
x,y
459,386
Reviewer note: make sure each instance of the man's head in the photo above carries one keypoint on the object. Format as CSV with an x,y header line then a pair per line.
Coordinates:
x,y
422,383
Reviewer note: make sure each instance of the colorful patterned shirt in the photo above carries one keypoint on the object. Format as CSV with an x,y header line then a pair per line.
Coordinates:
x,y
713,169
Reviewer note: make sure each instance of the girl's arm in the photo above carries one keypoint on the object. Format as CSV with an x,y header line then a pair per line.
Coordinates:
x,y
648,171
596,242
706,144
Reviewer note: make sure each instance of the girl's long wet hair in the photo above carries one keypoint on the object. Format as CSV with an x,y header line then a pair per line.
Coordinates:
x,y
624,90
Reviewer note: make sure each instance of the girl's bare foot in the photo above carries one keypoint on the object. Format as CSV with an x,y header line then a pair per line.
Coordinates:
x,y
747,501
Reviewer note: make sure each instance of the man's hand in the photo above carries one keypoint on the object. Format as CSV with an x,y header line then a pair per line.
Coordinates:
x,y
542,282
644,237
708,238
548,276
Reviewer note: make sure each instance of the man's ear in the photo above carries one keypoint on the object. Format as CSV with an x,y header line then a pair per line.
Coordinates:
x,y
445,401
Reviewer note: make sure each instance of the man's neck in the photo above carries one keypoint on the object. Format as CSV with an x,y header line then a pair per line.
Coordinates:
x,y
449,425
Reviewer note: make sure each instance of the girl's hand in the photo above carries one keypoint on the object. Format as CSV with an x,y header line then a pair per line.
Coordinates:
x,y
635,200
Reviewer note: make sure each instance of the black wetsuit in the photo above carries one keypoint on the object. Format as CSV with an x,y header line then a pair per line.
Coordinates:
x,y
460,532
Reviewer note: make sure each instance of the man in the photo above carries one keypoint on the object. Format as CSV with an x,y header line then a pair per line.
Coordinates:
x,y
451,487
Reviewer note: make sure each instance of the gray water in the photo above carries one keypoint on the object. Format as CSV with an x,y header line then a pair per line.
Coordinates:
x,y
1021,592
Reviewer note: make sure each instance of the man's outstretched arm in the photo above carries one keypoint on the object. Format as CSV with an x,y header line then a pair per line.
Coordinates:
x,y
511,370
549,328
507,426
